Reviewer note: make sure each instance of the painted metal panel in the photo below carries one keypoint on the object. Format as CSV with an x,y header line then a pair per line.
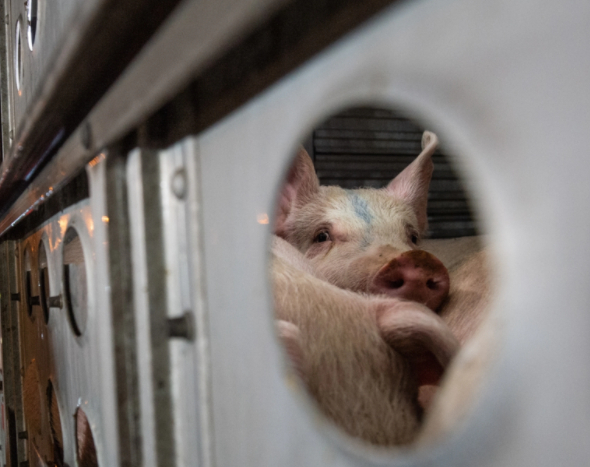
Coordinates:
x,y
484,75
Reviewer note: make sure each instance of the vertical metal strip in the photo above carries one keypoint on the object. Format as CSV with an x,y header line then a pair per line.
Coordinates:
x,y
199,293
5,78
157,296
123,319
142,327
8,355
11,351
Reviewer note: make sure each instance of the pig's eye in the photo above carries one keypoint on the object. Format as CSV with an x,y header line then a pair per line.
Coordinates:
x,y
414,239
321,237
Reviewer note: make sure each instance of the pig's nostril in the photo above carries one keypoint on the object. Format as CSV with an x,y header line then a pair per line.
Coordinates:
x,y
396,284
431,284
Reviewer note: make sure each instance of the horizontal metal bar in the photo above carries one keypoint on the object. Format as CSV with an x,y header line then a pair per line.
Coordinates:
x,y
198,43
100,49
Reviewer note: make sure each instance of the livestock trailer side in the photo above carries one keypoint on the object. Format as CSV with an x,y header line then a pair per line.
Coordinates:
x,y
143,143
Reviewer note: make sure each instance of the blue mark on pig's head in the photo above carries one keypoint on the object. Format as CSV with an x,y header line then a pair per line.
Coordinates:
x,y
361,207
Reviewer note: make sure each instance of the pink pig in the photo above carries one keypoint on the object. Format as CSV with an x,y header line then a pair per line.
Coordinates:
x,y
356,299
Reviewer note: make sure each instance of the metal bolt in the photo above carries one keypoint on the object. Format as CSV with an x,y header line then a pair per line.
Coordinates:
x,y
178,183
86,135
23,435
183,326
34,300
15,297
55,302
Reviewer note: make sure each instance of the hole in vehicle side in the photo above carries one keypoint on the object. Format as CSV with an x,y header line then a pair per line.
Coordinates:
x,y
31,22
75,281
352,159
86,454
55,424
44,289
18,56
42,417
30,300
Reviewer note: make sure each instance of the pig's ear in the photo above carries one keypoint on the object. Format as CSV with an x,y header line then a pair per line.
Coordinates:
x,y
300,186
411,185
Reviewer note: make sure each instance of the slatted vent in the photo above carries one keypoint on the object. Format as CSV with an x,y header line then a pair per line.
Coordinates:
x,y
366,147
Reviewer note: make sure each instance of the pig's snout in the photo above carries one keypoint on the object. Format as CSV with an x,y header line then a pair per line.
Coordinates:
x,y
414,275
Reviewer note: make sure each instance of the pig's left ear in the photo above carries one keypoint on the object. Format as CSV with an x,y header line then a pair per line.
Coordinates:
x,y
300,186
411,185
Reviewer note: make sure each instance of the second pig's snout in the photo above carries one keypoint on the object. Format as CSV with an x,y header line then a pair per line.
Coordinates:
x,y
414,275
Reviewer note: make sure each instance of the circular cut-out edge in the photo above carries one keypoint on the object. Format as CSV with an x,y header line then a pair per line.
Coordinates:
x,y
44,292
78,332
357,448
79,225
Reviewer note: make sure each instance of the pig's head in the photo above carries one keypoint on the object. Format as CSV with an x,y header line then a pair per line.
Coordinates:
x,y
366,240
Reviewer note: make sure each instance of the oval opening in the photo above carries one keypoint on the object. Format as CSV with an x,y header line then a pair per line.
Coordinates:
x,y
31,22
55,425
85,446
75,281
380,275
41,411
18,57
30,299
44,290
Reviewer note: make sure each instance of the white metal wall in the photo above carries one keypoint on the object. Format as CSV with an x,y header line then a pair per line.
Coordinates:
x,y
506,83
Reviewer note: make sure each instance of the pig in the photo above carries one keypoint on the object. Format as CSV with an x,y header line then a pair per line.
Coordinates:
x,y
466,312
365,240
355,298
361,357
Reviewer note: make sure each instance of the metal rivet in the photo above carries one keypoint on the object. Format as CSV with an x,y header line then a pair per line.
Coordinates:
x,y
178,183
183,326
86,135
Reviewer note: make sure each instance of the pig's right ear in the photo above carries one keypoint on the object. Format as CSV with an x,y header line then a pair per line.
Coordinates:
x,y
411,185
300,186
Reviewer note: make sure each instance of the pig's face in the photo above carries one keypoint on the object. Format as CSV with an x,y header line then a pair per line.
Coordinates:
x,y
365,240
348,235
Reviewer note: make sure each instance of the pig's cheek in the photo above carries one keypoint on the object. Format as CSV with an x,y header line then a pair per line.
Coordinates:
x,y
343,270
318,250
360,271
